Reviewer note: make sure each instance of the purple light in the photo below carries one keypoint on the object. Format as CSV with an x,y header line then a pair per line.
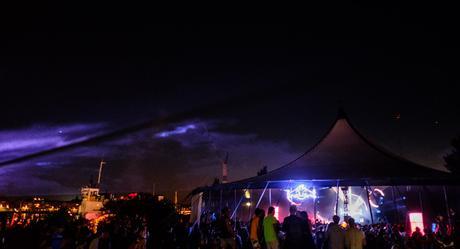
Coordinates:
x,y
176,131
15,143
43,163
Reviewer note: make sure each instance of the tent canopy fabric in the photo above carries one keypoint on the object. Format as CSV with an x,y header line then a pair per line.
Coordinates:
x,y
345,157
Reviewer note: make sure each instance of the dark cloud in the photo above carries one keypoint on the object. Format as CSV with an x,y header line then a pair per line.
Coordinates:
x,y
184,159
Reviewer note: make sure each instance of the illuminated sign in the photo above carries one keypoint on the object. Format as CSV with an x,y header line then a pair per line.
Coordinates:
x,y
299,194
416,220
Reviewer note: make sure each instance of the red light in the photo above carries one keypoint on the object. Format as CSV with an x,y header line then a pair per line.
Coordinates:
x,y
132,195
416,220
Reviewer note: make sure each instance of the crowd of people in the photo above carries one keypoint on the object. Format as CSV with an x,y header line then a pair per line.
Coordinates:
x,y
147,224
56,231
136,224
264,231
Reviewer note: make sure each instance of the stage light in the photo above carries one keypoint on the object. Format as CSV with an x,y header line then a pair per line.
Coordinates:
x,y
379,191
380,199
373,204
247,194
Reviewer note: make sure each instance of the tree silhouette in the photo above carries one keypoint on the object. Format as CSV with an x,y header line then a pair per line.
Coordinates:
x,y
216,182
262,171
453,158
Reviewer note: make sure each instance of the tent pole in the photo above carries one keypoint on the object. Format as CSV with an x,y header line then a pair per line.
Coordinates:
x,y
337,200
447,205
270,196
234,199
250,206
369,204
401,197
210,199
314,209
262,195
220,200
395,204
372,193
234,208
420,199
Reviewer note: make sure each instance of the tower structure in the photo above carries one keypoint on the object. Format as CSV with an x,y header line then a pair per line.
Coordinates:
x,y
225,169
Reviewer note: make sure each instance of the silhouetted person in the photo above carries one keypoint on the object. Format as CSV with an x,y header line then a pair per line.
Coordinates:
x,y
195,237
354,238
57,238
296,230
102,242
335,235
307,235
227,235
441,230
428,239
320,235
416,239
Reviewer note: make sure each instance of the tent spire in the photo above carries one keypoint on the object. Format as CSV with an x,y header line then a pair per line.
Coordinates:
x,y
341,114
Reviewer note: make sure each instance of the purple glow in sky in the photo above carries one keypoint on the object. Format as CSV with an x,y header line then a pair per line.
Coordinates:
x,y
189,159
15,143
176,131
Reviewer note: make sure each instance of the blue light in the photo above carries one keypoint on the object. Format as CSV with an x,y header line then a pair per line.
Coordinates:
x,y
43,163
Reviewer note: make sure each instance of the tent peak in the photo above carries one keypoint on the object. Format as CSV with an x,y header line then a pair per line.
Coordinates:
x,y
341,114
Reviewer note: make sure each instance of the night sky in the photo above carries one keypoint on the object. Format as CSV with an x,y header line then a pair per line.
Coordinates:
x,y
264,93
